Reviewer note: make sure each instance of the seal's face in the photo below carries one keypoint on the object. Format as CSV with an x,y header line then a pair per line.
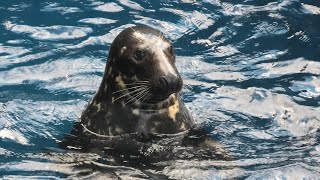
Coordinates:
x,y
145,60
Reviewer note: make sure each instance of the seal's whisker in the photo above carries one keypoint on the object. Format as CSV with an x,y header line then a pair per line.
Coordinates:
x,y
138,82
187,86
147,96
134,96
147,79
149,110
137,95
142,95
130,92
134,84
134,87
142,81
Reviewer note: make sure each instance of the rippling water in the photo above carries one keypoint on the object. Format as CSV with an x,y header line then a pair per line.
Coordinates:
x,y
251,70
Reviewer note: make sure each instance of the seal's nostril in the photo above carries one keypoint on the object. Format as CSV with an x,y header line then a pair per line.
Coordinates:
x,y
164,83
179,85
170,83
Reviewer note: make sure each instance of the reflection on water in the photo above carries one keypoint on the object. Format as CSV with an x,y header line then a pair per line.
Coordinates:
x,y
250,68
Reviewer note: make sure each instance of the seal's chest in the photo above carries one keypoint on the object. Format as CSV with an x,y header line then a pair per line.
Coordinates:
x,y
147,123
159,122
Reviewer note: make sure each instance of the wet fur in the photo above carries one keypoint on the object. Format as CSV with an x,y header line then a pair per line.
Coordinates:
x,y
107,114
120,126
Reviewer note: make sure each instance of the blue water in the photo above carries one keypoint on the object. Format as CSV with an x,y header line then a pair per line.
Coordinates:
x,y
251,72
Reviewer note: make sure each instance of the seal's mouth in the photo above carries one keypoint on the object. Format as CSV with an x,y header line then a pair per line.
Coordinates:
x,y
161,90
155,105
144,95
157,98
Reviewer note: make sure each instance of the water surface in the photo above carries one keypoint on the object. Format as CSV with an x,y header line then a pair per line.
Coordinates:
x,y
251,71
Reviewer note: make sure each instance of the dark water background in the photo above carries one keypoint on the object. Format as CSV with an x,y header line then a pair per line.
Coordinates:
x,y
251,70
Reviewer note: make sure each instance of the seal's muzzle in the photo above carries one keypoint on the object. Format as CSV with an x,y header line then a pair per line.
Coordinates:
x,y
167,85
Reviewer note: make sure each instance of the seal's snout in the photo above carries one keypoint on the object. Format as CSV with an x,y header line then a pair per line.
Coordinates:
x,y
171,83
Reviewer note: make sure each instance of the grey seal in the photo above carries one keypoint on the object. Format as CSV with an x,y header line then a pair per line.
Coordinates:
x,y
140,88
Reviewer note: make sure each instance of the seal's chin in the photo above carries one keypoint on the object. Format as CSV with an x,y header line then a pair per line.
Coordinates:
x,y
159,95
158,98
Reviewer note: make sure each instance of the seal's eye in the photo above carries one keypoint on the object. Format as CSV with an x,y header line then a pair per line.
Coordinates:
x,y
171,50
139,55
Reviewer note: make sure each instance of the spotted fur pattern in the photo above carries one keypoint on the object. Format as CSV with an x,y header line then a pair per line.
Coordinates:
x,y
112,112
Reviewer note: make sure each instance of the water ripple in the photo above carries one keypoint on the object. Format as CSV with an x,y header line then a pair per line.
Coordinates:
x,y
250,71
56,7
109,7
52,33
98,21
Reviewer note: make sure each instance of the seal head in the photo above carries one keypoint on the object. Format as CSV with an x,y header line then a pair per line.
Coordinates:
x,y
140,88
144,55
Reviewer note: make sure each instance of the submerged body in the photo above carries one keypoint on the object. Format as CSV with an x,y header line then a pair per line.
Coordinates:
x,y
137,110
140,88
